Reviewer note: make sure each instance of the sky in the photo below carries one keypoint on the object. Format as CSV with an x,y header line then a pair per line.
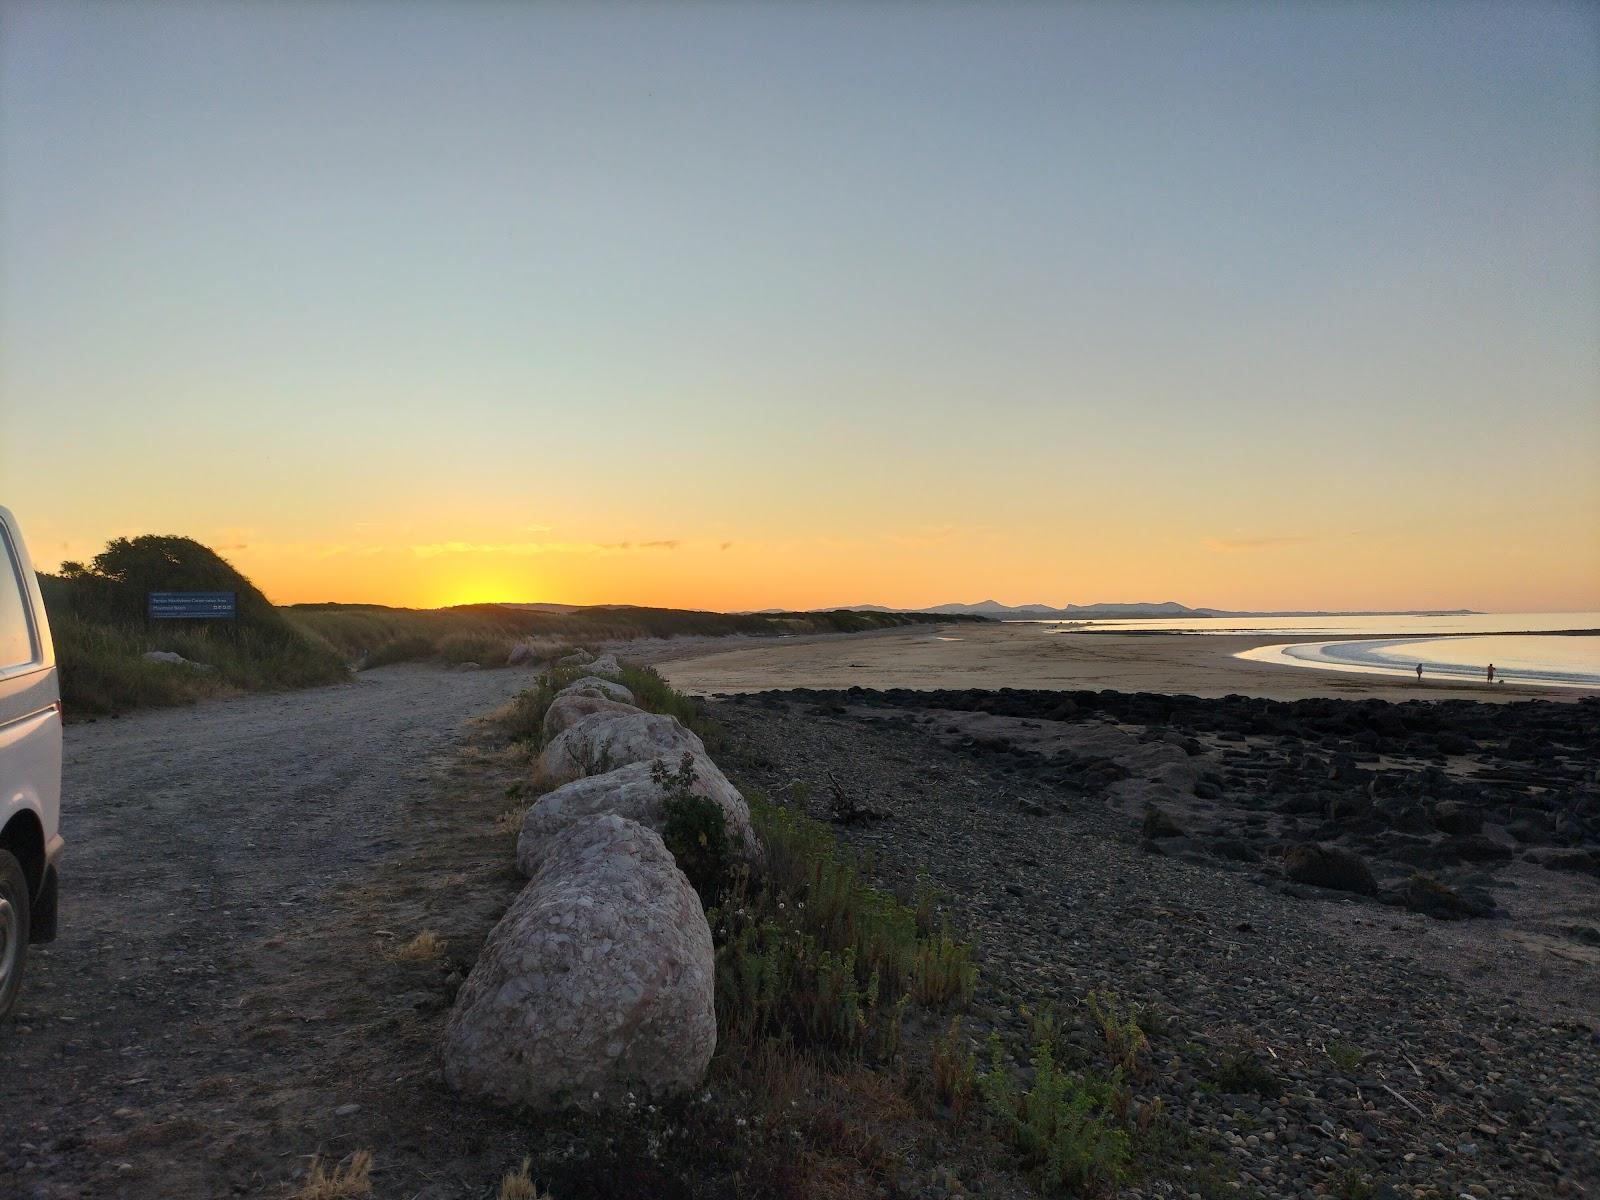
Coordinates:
x,y
737,306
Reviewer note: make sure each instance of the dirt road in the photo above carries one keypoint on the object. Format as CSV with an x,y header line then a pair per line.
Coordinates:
x,y
194,836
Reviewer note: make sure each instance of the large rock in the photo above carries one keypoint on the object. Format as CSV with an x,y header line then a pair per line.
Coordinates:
x,y
596,983
524,654
1322,865
606,664
1452,816
567,710
1158,823
1425,894
172,659
605,741
593,685
631,792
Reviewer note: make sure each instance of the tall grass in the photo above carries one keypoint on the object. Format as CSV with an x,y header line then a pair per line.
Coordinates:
x,y
810,953
373,635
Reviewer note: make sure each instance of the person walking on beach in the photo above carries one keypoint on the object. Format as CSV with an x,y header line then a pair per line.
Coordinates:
x,y
1491,672
1419,672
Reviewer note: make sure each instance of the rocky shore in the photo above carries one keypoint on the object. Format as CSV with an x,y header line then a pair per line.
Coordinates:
x,y
1367,935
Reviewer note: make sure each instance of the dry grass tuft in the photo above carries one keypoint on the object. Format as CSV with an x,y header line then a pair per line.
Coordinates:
x,y
349,1180
427,946
510,821
519,1185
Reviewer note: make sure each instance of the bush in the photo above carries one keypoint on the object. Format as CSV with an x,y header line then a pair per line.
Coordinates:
x,y
809,952
955,1069
695,830
1240,1070
1064,1124
98,623
1119,1025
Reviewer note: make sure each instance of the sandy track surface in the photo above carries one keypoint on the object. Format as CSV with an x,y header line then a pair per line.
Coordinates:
x,y
193,835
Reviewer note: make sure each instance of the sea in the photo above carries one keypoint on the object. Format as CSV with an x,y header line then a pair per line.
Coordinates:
x,y
1547,649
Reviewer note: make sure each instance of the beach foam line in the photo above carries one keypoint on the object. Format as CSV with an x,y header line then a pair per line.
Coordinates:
x,y
1383,656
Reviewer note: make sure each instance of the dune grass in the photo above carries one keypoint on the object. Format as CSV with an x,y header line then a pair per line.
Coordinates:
x,y
98,623
98,620
372,635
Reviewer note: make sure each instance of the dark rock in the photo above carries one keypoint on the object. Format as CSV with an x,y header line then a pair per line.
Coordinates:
x,y
1425,894
1233,849
1322,865
1478,848
1158,823
1582,862
1452,816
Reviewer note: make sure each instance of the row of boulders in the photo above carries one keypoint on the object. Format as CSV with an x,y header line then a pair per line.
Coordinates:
x,y
597,983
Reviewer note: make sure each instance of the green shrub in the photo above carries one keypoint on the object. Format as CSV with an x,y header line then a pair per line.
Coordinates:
x,y
98,623
695,830
1345,1055
955,1069
943,971
1065,1124
654,694
1240,1069
1119,1025
809,952
1350,1184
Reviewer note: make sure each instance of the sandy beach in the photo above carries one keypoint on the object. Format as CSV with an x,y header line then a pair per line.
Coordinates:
x,y
1021,656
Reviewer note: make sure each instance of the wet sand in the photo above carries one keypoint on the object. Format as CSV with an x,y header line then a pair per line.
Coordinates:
x,y
1022,656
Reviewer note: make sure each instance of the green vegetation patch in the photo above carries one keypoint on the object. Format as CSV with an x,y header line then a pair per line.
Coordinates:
x,y
98,623
810,954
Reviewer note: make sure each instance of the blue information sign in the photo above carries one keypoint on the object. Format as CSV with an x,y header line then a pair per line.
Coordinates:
x,y
192,606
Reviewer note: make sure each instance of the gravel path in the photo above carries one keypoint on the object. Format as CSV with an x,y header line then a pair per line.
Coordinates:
x,y
193,834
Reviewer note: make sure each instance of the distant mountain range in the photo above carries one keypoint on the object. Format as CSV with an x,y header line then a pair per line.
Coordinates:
x,y
1164,608
996,611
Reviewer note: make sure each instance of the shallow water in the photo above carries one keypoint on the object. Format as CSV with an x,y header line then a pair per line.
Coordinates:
x,y
1336,626
1549,659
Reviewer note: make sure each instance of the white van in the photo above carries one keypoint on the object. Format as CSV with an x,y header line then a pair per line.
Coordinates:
x,y
30,765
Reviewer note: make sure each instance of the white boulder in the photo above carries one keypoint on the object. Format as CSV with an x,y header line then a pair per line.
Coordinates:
x,y
606,664
596,983
173,659
605,741
593,685
523,654
568,708
631,792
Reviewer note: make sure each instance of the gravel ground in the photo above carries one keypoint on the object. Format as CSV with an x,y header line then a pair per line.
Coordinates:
x,y
195,837
225,999
1378,1066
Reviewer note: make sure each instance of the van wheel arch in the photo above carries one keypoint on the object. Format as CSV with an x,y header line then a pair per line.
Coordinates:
x,y
24,837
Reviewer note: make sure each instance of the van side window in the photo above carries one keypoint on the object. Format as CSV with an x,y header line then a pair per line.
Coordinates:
x,y
16,632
